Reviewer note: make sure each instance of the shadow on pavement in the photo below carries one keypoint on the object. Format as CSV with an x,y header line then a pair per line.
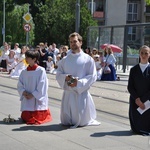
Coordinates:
x,y
113,133
54,127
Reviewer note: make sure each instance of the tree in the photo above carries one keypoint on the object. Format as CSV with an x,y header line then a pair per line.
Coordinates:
x,y
53,20
15,22
9,6
14,31
57,20
147,2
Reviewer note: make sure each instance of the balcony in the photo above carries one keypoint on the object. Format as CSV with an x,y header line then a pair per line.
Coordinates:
x,y
98,14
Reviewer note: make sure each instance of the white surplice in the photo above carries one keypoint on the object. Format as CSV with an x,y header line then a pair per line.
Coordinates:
x,y
77,107
34,82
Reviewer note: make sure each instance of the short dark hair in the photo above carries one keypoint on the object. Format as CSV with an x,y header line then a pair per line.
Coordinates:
x,y
76,34
32,54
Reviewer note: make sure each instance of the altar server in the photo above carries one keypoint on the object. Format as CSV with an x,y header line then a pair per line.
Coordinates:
x,y
33,91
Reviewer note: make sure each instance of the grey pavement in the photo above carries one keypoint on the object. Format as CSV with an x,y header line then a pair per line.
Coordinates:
x,y
111,101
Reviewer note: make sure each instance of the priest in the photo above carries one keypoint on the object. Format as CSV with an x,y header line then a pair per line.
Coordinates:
x,y
76,73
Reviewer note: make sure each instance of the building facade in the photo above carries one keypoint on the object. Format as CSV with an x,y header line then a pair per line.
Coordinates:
x,y
119,12
123,12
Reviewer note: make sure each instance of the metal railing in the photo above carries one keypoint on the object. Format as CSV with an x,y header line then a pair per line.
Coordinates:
x,y
128,37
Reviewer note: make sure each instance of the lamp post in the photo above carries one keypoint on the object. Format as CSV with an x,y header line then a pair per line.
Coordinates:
x,y
77,23
3,30
92,7
27,33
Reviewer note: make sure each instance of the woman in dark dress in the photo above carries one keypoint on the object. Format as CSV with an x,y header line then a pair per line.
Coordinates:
x,y
139,89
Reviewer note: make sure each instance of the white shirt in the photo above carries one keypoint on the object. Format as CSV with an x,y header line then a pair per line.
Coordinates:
x,y
143,66
5,54
49,65
110,59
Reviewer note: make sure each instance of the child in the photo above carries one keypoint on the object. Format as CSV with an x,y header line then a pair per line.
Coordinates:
x,y
98,66
49,64
10,61
33,90
58,58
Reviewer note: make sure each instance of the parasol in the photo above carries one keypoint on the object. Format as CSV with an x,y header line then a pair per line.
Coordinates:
x,y
115,48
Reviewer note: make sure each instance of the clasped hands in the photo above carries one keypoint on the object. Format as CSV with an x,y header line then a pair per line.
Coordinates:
x,y
27,95
71,81
140,103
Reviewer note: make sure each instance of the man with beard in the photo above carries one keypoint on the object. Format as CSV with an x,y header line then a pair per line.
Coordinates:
x,y
75,74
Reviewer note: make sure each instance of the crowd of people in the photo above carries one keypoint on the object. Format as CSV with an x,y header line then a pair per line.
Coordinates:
x,y
12,60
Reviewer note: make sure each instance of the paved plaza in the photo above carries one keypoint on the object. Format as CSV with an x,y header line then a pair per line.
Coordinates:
x,y
111,101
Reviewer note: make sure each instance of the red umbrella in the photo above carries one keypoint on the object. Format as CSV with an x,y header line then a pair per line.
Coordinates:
x,y
115,48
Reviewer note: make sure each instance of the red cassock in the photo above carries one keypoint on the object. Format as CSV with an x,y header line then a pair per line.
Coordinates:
x,y
36,117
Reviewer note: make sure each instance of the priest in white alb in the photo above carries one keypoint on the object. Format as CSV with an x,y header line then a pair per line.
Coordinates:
x,y
76,73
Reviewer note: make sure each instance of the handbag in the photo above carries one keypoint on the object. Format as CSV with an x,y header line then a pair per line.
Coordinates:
x,y
107,70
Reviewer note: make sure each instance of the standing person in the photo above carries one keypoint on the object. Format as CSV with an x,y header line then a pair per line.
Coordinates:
x,y
75,74
33,90
139,89
3,57
50,53
110,61
43,57
55,51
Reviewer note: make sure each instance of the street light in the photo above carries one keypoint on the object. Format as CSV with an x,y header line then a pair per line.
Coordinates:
x,y
92,7
3,30
77,24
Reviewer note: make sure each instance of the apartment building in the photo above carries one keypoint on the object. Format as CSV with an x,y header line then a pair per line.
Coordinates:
x,y
122,12
119,12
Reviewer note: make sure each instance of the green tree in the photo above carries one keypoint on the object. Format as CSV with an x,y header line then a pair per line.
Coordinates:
x,y
9,6
14,31
15,22
57,20
53,20
148,2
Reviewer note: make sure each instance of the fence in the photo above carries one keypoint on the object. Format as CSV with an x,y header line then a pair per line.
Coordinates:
x,y
128,37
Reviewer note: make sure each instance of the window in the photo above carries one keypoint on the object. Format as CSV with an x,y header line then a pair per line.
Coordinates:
x,y
132,12
132,33
90,6
100,5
